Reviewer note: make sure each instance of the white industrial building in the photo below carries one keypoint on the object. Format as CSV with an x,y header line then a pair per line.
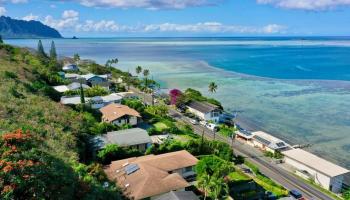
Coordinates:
x,y
329,175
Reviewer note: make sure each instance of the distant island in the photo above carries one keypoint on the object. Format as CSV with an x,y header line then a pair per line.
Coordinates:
x,y
14,28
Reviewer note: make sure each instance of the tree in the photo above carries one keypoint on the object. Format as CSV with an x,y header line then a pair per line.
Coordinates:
x,y
346,194
212,87
138,70
76,57
1,41
53,53
204,184
82,97
174,96
218,188
41,51
146,74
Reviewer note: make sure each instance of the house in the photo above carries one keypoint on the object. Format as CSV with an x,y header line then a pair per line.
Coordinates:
x,y
73,77
267,142
71,87
244,135
149,177
178,195
135,138
93,80
205,111
119,114
72,100
99,102
128,95
70,67
328,175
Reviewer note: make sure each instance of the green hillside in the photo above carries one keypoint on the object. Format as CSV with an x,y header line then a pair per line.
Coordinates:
x,y
42,143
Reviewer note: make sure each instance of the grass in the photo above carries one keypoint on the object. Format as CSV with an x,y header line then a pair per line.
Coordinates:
x,y
160,126
266,182
319,188
238,176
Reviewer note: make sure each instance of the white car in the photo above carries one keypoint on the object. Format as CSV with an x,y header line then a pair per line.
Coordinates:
x,y
194,121
203,123
212,127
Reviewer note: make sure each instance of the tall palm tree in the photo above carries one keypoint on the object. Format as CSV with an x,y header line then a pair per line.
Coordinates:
x,y
212,87
204,182
218,188
146,74
138,70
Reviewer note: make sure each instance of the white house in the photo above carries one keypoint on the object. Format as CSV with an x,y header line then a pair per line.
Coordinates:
x,y
70,67
267,142
205,111
99,102
70,87
323,172
119,115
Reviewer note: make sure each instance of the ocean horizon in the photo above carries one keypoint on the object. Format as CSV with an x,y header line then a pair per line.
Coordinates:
x,y
296,88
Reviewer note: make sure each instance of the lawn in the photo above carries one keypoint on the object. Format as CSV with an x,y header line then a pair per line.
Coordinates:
x,y
238,176
160,126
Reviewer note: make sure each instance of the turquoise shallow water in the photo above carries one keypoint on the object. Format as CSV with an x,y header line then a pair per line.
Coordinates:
x,y
297,89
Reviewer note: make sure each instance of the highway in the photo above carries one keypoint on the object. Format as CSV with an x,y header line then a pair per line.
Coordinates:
x,y
271,170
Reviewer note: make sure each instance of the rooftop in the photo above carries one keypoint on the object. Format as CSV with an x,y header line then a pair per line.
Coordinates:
x,y
178,195
114,111
112,97
315,162
149,175
203,107
90,75
269,140
73,100
126,137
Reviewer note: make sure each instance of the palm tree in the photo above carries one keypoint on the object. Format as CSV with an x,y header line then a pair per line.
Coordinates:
x,y
145,74
212,87
218,188
204,182
138,70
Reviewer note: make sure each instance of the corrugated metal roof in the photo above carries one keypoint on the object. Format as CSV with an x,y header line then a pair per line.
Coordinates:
x,y
319,164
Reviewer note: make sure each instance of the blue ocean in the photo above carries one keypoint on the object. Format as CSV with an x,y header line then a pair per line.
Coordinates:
x,y
296,88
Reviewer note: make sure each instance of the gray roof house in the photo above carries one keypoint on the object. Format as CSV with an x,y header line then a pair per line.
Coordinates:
x,y
134,137
178,195
72,86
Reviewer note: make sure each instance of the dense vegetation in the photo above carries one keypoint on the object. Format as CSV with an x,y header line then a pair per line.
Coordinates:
x,y
52,154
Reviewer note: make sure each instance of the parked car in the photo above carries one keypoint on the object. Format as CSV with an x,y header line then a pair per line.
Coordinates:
x,y
212,127
203,123
194,121
296,194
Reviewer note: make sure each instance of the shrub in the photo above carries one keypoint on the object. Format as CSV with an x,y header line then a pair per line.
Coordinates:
x,y
113,152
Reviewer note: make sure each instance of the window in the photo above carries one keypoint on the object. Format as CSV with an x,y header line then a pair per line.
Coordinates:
x,y
188,169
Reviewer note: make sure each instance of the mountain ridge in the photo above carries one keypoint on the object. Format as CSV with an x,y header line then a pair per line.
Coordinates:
x,y
15,28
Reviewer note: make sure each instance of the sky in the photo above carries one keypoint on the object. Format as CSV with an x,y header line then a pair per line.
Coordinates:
x,y
113,18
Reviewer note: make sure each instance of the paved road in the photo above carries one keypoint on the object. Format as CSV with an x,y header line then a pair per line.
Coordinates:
x,y
271,170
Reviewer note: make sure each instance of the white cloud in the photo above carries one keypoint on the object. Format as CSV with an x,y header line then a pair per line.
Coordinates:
x,y
30,17
2,11
69,14
149,4
213,27
69,20
206,27
306,4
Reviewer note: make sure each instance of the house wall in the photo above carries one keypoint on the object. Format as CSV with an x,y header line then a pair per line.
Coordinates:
x,y
211,116
325,181
122,121
140,147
